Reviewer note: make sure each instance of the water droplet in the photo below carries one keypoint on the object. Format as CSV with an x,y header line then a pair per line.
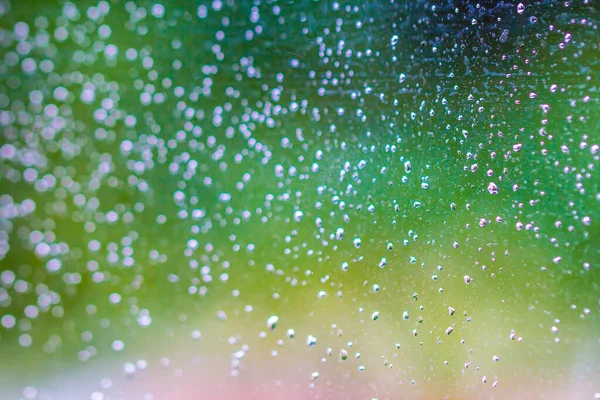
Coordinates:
x,y
272,322
382,262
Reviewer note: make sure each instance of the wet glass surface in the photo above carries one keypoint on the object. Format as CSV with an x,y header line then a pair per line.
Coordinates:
x,y
305,199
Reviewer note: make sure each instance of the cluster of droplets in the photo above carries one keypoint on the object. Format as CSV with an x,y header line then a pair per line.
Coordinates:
x,y
228,163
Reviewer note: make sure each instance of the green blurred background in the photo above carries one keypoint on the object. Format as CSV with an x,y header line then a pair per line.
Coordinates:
x,y
174,174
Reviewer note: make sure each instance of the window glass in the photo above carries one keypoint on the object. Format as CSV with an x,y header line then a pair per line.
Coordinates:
x,y
238,199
